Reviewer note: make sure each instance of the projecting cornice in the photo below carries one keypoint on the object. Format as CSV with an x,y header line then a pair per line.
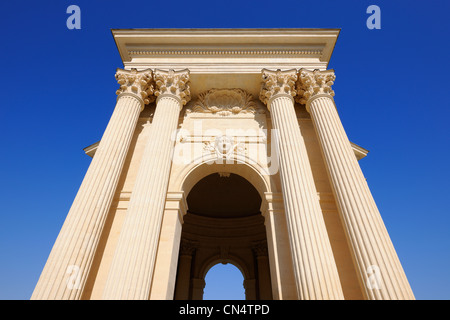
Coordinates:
x,y
225,50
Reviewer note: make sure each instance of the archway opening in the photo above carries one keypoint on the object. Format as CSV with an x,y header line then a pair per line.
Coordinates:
x,y
223,224
224,195
224,282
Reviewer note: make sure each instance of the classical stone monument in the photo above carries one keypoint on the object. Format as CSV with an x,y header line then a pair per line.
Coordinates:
x,y
225,146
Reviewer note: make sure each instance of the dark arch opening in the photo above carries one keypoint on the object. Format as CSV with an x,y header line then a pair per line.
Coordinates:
x,y
224,195
223,224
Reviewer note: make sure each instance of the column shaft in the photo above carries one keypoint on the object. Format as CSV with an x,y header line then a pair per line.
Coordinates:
x,y
380,271
183,282
67,268
183,277
130,276
314,266
265,292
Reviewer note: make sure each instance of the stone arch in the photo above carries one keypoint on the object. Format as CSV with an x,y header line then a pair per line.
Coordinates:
x,y
242,166
249,228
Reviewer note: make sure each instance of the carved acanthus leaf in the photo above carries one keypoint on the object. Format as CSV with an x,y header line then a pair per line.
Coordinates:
x,y
277,82
174,83
260,248
136,82
225,102
312,83
187,247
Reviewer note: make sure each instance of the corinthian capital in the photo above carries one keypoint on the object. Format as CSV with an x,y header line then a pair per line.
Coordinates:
x,y
276,83
260,249
314,83
187,247
135,82
175,83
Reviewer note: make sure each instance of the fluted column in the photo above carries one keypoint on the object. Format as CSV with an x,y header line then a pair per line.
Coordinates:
x,y
314,266
380,271
130,276
68,266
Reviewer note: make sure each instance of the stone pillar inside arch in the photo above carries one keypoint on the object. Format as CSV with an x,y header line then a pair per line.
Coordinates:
x,y
262,264
183,281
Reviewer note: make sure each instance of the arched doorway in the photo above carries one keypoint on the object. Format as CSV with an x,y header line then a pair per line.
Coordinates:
x,y
223,224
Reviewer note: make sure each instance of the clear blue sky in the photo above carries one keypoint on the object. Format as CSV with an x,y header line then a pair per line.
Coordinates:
x,y
392,92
